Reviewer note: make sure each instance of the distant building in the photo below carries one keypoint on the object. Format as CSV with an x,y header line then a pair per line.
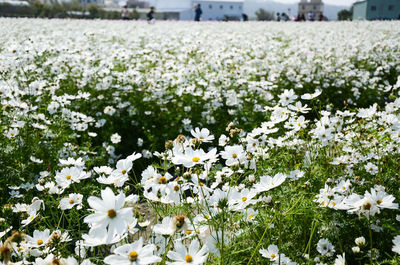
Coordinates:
x,y
376,9
175,9
312,7
212,9
221,9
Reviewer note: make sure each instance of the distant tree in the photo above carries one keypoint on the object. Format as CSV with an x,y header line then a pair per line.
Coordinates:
x,y
135,14
263,15
94,11
345,14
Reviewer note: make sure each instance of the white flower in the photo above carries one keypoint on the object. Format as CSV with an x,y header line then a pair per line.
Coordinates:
x,y
355,250
360,241
396,244
202,135
170,225
296,174
67,176
120,175
115,138
133,254
287,97
267,182
325,248
39,238
193,256
272,253
192,157
311,95
11,133
371,168
109,213
223,140
70,201
109,110
233,155
340,260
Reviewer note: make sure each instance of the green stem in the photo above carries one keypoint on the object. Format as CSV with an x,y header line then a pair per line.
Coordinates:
x,y
311,236
370,241
262,237
166,250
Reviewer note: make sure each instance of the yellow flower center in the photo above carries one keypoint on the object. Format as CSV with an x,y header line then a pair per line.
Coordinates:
x,y
367,206
162,180
188,258
244,199
123,171
111,213
176,188
180,221
234,155
201,138
71,201
379,201
250,216
133,255
68,177
39,242
188,232
196,159
12,134
273,256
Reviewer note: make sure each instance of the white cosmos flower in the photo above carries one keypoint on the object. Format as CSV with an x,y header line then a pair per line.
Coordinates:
x,y
193,256
39,238
233,155
11,133
67,176
133,254
115,138
202,135
109,213
192,157
70,201
120,175
371,168
272,253
310,96
267,182
325,248
340,260
396,244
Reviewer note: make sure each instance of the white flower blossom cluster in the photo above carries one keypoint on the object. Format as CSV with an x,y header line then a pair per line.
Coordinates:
x,y
282,138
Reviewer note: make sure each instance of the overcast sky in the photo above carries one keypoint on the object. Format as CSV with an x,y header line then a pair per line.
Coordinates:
x,y
329,2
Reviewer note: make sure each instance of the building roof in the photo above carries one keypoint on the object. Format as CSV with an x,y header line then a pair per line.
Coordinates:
x,y
359,2
14,3
228,1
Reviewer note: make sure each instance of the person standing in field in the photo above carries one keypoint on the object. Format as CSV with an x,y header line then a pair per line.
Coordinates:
x,y
150,16
125,13
198,13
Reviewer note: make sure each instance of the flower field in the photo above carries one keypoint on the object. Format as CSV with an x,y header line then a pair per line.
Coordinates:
x,y
199,143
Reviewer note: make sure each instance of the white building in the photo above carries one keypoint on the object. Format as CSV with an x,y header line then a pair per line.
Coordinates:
x,y
212,9
221,9
307,7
